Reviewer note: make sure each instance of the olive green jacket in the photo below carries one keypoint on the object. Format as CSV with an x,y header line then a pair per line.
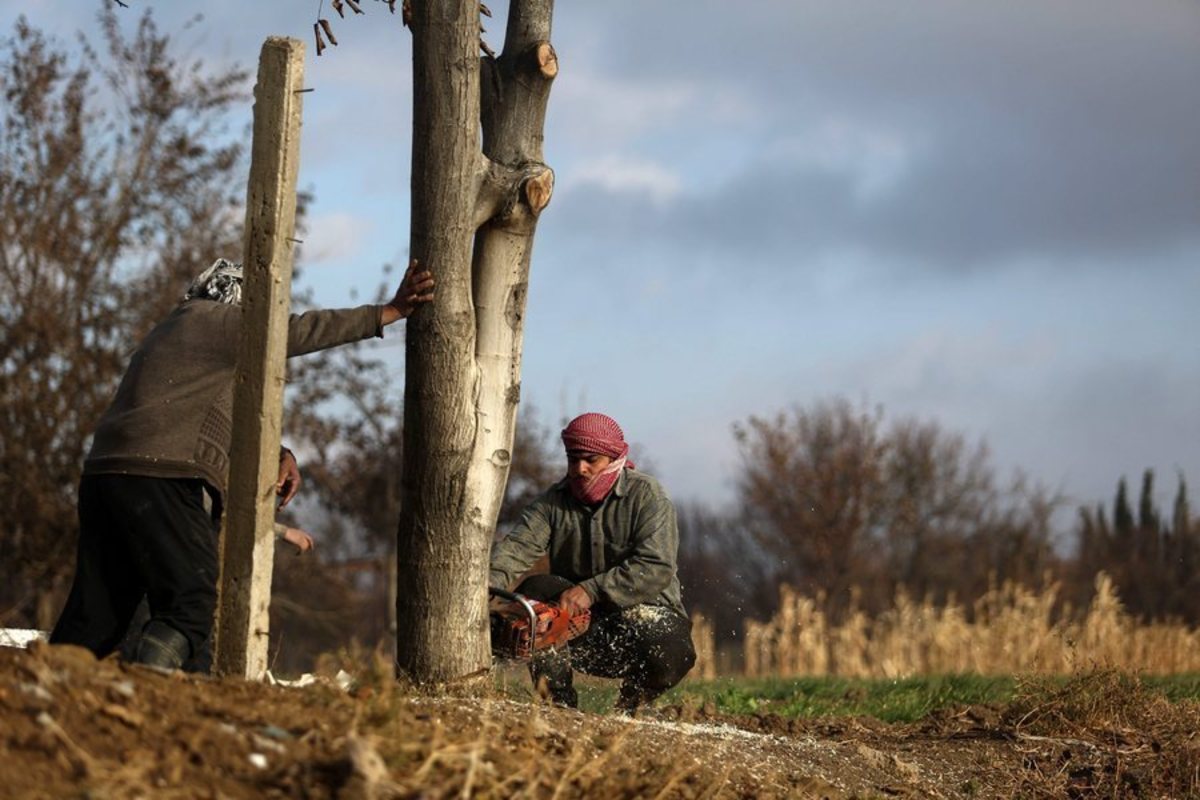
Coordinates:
x,y
623,551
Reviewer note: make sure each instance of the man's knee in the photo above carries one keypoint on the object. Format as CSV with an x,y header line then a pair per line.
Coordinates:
x,y
665,673
670,658
683,664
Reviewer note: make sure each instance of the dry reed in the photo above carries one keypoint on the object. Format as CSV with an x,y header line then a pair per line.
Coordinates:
x,y
1010,629
704,642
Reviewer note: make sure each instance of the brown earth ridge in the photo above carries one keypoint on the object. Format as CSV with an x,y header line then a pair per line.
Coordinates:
x,y
72,726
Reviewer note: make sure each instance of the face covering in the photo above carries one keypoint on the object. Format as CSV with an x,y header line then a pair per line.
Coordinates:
x,y
596,433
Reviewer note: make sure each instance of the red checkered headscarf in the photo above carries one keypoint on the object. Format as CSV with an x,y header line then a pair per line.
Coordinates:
x,y
596,433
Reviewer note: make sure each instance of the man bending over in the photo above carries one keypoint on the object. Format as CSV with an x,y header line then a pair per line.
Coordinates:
x,y
153,483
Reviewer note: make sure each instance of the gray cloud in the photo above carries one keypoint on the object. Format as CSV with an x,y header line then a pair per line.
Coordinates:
x,y
1065,132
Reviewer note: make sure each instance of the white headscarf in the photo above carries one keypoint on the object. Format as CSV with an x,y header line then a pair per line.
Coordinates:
x,y
221,282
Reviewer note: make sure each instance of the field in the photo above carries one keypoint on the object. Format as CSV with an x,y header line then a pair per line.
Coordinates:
x,y
75,727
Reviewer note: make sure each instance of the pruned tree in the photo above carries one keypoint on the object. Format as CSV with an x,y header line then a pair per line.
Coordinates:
x,y
116,181
475,205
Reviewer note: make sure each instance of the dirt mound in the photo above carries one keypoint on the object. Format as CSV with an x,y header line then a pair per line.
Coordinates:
x,y
74,726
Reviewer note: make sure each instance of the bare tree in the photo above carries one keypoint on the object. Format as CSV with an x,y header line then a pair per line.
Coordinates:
x,y
836,502
950,528
935,490
810,493
341,410
115,182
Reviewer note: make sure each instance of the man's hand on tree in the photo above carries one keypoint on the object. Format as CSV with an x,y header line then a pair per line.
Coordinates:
x,y
575,599
415,289
289,477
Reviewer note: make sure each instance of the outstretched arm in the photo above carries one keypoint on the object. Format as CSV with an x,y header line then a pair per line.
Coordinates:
x,y
329,327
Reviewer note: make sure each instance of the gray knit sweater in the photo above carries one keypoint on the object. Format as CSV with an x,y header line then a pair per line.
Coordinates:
x,y
172,414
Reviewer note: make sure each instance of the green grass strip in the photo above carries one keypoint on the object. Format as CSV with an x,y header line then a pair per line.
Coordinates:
x,y
899,700
902,700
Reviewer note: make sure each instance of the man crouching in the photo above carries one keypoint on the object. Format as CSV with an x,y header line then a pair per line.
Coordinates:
x,y
612,540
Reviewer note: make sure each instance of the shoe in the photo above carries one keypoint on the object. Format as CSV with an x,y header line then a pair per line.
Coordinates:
x,y
162,646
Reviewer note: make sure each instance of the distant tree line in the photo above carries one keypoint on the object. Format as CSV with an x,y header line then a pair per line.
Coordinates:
x,y
1153,560
842,507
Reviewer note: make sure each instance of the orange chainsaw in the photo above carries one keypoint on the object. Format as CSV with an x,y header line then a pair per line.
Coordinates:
x,y
522,625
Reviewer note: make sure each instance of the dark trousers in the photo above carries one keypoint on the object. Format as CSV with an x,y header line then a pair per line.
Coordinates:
x,y
648,647
140,536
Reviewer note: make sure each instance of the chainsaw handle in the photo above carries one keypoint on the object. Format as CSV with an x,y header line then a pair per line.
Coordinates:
x,y
520,599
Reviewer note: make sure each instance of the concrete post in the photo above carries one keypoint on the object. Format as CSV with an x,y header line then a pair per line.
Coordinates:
x,y
248,543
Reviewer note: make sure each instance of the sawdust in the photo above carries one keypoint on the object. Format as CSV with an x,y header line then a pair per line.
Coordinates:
x,y
646,613
75,727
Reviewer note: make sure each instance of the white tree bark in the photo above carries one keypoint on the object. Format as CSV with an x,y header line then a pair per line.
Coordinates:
x,y
473,215
516,88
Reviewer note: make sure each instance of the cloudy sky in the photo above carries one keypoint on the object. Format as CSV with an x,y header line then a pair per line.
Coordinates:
x,y
985,214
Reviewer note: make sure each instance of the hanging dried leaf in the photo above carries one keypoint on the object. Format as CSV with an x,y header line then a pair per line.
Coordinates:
x,y
406,13
487,12
339,8
484,47
328,31
320,41
354,6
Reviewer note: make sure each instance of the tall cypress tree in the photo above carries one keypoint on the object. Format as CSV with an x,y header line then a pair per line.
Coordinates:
x,y
1148,519
1181,518
1185,552
1122,515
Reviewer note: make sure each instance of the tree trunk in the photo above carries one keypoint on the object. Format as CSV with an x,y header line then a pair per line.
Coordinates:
x,y
462,380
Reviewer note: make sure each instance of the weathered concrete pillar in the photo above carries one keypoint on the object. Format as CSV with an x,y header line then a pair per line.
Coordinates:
x,y
248,543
